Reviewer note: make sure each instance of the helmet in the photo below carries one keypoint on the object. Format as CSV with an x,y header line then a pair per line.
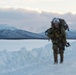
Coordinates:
x,y
56,20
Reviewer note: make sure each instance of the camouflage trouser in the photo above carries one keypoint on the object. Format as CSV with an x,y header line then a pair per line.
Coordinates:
x,y
58,49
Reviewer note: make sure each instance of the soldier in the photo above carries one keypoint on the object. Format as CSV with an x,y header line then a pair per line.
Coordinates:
x,y
58,36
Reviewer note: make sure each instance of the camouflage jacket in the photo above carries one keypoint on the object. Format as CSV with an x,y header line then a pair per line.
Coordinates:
x,y
57,35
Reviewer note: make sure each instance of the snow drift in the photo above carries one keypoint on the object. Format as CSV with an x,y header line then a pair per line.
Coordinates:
x,y
38,61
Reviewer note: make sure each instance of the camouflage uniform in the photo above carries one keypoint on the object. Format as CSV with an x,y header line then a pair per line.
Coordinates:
x,y
58,38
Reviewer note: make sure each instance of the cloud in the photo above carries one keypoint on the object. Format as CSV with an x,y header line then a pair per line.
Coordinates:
x,y
54,0
32,20
17,1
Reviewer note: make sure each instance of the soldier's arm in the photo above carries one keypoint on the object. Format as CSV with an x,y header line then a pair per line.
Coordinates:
x,y
49,34
64,35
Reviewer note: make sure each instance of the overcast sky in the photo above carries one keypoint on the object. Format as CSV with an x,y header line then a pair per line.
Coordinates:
x,y
62,6
35,15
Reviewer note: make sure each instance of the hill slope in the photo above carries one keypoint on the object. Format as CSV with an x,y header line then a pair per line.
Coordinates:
x,y
7,32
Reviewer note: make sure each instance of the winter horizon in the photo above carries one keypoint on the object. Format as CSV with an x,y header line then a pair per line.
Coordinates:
x,y
23,51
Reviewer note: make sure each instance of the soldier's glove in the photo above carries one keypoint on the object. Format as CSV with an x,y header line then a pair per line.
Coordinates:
x,y
67,44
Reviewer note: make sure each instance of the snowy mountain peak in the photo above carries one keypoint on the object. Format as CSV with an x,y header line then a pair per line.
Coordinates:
x,y
6,27
9,32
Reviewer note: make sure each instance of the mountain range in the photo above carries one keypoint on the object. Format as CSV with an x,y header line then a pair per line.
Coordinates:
x,y
9,32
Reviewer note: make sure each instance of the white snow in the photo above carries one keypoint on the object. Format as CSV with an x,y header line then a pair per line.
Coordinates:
x,y
38,61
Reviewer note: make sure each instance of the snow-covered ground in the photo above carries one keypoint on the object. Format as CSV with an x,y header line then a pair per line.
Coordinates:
x,y
38,61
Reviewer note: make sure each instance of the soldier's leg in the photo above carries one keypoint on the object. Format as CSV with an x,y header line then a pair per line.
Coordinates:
x,y
61,57
55,58
55,52
61,51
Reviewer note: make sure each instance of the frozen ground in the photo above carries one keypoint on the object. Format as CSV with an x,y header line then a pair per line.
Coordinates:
x,y
38,61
